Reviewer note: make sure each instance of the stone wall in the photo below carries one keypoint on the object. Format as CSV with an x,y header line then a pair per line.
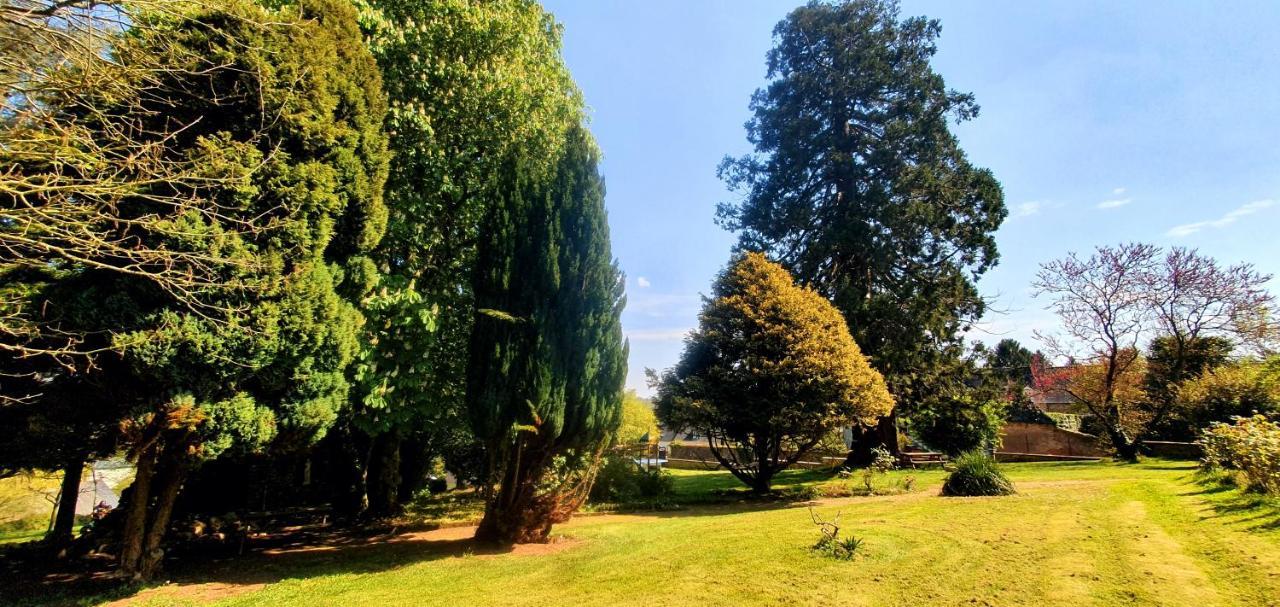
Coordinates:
x,y
1046,439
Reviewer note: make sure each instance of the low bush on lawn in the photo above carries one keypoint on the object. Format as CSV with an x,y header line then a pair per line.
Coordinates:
x,y
976,474
1249,447
622,481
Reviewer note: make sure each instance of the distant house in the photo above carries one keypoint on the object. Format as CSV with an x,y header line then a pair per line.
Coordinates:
x,y
1056,401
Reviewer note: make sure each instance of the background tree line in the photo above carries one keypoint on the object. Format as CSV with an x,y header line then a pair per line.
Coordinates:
x,y
238,235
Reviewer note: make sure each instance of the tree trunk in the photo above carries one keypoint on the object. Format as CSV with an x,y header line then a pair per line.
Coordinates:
x,y
165,487
518,515
349,460
415,463
64,524
383,479
762,482
867,438
135,522
1126,447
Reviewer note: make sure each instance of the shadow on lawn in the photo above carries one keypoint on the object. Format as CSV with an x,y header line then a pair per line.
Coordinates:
x,y
1234,506
295,555
319,551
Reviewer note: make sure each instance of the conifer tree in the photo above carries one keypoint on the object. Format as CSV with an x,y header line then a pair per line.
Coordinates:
x,y
547,360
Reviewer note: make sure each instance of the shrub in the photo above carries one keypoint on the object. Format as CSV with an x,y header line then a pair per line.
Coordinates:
x,y
1250,445
976,473
621,480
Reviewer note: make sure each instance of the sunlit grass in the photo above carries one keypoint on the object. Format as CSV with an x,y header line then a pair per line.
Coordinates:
x,y
1075,534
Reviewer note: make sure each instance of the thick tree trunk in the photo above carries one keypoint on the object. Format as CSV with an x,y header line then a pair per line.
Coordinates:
x,y
762,482
518,514
65,522
1126,447
383,479
415,463
866,438
165,488
133,535
350,455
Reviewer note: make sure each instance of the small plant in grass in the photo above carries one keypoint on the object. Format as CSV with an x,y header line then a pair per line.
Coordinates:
x,y
975,474
908,483
881,462
831,544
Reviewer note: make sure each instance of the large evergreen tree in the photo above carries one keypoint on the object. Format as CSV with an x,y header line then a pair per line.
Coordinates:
x,y
859,188
547,361
275,117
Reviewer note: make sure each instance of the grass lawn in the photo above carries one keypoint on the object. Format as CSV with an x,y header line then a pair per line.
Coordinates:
x,y
1076,534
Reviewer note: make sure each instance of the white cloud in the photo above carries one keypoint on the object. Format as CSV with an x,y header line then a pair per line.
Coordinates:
x,y
1028,209
658,334
1119,191
642,282
1114,203
1231,217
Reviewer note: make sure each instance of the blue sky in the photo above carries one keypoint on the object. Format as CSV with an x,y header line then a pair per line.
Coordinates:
x,y
1106,122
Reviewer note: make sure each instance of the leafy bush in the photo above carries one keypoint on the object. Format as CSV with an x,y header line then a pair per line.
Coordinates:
x,y
1251,446
976,473
621,480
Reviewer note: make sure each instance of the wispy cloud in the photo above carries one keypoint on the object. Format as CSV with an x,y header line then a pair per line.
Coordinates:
x,y
642,282
657,334
644,302
1231,217
1119,191
1115,202
1028,209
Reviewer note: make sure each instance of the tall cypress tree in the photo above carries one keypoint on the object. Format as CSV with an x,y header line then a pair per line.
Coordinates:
x,y
547,360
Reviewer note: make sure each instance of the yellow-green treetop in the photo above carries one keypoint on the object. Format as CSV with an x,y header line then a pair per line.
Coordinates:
x,y
770,371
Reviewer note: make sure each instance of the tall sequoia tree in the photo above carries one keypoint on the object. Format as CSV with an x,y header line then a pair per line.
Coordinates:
x,y
769,373
219,306
547,362
859,188
469,85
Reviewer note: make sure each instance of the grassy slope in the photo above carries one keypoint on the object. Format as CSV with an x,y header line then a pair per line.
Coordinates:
x,y
1077,534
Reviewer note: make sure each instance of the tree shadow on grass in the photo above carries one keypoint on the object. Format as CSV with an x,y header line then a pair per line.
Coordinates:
x,y
316,552
1234,506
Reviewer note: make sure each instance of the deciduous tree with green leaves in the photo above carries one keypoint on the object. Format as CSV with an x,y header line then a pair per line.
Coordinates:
x,y
769,373
470,84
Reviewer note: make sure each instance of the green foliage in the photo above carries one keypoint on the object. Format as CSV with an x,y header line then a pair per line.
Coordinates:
x,y
622,481
1250,445
770,371
638,420
858,187
976,474
470,85
1238,389
1011,362
545,377
964,420
553,361
318,166
1170,364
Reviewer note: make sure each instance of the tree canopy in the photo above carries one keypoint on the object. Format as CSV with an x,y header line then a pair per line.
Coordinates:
x,y
770,371
859,188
